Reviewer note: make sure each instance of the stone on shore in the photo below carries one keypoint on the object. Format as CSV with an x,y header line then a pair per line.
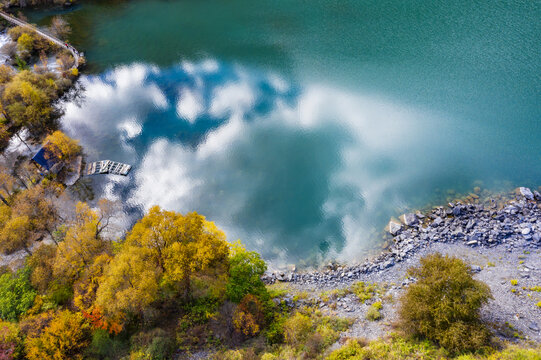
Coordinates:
x,y
527,193
409,219
394,227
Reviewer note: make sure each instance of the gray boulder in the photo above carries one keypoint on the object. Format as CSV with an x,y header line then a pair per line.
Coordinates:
x,y
394,227
527,193
409,219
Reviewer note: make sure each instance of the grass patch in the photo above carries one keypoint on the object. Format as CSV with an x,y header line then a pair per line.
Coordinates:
x,y
277,290
364,291
334,294
373,313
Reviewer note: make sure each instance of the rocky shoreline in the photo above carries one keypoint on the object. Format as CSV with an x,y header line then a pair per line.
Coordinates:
x,y
514,224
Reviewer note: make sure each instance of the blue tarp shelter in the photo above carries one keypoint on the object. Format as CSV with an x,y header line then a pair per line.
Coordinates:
x,y
45,158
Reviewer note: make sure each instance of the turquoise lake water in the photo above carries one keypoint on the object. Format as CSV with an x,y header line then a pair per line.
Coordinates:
x,y
302,126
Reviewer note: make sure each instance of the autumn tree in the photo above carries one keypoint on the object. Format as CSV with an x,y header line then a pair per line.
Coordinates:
x,y
130,284
7,185
25,45
66,336
62,146
59,27
6,73
162,254
249,318
81,244
41,262
26,174
36,204
26,101
16,234
182,245
31,214
84,297
27,105
4,134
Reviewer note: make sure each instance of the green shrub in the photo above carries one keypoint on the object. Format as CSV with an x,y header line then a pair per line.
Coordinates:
x,y
103,346
154,345
297,328
353,349
443,305
245,271
231,355
334,294
373,313
275,330
364,291
517,353
60,293
393,348
16,294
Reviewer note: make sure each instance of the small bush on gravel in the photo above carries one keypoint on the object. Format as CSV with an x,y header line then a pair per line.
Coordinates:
x,y
394,348
297,328
443,305
364,291
373,313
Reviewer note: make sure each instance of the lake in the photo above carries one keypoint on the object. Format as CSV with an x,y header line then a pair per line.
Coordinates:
x,y
301,127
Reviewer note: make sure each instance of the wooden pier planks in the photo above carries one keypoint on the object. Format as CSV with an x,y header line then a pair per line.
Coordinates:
x,y
107,167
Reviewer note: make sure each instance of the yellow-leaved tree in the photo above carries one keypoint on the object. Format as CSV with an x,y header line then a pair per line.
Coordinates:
x,y
62,146
66,336
7,185
130,283
81,244
161,255
36,204
27,105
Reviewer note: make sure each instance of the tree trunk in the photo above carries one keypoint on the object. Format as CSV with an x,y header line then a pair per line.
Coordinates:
x,y
24,142
187,285
4,200
52,237
21,180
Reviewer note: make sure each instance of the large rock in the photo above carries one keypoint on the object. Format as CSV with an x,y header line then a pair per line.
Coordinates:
x,y
409,219
394,227
437,222
527,193
457,211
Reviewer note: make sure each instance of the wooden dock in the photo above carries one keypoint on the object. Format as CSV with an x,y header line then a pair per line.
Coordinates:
x,y
107,167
